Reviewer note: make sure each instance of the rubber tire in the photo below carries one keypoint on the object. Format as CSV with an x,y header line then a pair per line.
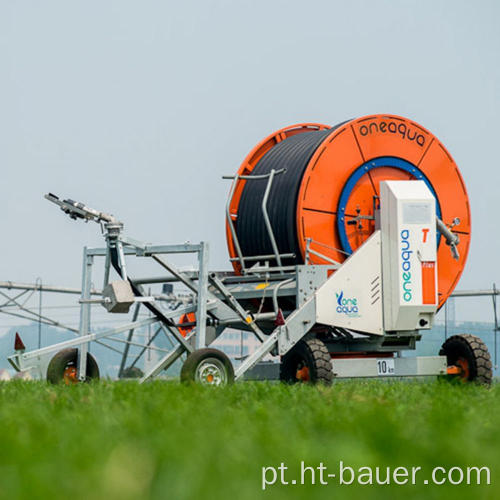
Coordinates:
x,y
314,354
474,350
132,372
57,365
188,370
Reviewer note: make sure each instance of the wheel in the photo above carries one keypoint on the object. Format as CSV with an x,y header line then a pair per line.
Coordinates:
x,y
470,355
132,372
309,361
207,367
63,367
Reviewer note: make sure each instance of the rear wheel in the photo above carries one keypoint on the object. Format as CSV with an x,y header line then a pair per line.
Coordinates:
x,y
132,372
470,356
309,361
63,367
207,367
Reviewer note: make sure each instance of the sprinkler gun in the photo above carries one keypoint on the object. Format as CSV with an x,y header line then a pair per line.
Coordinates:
x,y
77,210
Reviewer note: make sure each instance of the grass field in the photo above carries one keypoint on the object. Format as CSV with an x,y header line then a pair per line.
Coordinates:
x,y
164,440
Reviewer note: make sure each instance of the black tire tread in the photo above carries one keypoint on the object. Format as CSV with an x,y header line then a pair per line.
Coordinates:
x,y
317,353
58,363
477,354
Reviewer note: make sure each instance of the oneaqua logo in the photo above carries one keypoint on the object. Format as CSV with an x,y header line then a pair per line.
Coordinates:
x,y
406,264
347,306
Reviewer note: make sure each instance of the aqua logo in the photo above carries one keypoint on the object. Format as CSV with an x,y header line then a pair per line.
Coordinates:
x,y
347,306
406,265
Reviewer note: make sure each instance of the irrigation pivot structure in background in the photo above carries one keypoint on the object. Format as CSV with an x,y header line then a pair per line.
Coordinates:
x,y
24,301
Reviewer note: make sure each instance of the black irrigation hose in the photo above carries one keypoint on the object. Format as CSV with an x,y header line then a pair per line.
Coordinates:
x,y
292,154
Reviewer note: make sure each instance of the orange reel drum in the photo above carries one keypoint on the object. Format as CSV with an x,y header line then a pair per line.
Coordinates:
x,y
340,180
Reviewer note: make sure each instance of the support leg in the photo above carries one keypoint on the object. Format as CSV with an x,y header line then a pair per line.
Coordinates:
x,y
254,358
164,363
129,338
201,312
88,261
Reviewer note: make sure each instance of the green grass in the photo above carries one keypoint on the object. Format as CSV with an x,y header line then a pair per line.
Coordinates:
x,y
164,440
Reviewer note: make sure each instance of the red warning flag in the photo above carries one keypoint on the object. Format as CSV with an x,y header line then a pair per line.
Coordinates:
x,y
19,344
280,319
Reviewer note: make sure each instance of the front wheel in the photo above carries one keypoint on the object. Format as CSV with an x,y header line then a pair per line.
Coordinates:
x,y
63,367
207,367
470,356
308,361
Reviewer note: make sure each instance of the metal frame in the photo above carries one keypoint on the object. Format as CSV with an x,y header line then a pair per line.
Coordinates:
x,y
276,255
220,300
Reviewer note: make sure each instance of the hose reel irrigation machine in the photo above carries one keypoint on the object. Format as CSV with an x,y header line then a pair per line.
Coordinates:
x,y
344,241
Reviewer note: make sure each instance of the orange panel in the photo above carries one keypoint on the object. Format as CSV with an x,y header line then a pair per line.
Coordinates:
x,y
329,170
186,318
428,283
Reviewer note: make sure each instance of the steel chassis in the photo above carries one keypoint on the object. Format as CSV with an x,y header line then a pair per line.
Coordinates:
x,y
274,302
